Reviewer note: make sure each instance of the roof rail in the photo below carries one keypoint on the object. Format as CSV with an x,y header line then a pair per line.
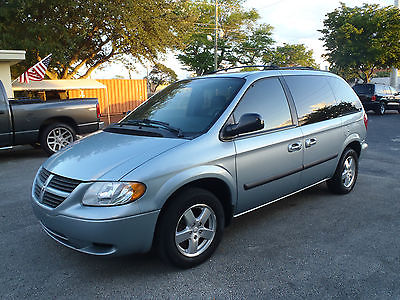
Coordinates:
x,y
266,67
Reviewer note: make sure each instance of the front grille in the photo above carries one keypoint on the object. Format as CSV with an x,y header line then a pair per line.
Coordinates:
x,y
63,184
52,200
43,175
51,189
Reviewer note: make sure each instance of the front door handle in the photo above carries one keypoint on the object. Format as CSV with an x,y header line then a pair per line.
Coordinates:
x,y
294,147
310,142
2,112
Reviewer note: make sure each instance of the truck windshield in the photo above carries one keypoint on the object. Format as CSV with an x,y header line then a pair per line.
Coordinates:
x,y
190,106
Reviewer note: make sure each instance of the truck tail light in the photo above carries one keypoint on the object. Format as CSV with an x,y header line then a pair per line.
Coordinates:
x,y
365,120
98,111
373,98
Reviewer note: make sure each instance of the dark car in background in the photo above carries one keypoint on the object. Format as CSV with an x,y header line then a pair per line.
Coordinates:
x,y
378,97
52,124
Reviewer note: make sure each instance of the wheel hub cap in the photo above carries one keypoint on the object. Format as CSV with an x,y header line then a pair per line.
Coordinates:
x,y
349,170
195,230
58,138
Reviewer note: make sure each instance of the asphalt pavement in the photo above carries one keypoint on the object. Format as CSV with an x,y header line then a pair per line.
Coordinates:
x,y
311,245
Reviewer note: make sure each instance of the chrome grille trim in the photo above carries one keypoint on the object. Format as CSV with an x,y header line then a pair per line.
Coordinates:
x,y
51,190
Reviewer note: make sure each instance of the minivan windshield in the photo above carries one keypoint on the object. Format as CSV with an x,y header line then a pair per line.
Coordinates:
x,y
189,107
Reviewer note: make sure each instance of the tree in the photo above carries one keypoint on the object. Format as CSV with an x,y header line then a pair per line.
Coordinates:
x,y
361,39
161,75
240,39
291,55
83,34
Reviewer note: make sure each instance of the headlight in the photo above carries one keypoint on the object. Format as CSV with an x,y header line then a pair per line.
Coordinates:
x,y
113,193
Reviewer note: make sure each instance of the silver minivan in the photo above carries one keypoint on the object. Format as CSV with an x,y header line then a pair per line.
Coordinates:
x,y
175,171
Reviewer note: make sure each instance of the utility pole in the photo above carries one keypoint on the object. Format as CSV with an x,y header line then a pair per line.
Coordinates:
x,y
394,72
216,37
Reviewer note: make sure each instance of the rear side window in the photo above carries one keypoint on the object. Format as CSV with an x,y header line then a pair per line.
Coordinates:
x,y
313,97
267,98
347,100
364,89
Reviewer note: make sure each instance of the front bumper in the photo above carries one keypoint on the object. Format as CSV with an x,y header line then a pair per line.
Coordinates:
x,y
119,236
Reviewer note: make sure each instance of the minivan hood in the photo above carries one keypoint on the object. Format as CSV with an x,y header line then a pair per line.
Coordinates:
x,y
107,156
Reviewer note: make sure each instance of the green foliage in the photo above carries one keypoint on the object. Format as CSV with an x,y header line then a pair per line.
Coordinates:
x,y
241,40
291,55
161,75
83,34
382,74
361,39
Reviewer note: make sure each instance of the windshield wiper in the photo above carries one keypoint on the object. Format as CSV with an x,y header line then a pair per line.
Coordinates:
x,y
165,125
151,123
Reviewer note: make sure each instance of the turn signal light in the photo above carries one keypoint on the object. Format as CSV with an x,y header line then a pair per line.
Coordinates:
x,y
365,120
98,111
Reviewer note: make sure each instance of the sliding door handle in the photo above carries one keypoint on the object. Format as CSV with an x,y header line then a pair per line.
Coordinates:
x,y
294,147
310,142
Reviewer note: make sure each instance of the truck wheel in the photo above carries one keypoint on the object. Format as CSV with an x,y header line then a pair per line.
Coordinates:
x,y
381,109
345,176
190,228
56,136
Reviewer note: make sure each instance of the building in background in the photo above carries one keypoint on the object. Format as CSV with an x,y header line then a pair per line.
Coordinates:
x,y
7,59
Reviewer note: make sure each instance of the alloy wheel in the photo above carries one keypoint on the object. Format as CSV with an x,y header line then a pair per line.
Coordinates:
x,y
349,172
58,138
195,230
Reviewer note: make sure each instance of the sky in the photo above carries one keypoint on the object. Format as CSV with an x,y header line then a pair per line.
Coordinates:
x,y
294,22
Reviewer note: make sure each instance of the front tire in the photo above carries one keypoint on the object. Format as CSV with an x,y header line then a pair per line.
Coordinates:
x,y
190,228
346,173
56,136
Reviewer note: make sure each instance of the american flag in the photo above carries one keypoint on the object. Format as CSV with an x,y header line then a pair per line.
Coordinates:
x,y
37,72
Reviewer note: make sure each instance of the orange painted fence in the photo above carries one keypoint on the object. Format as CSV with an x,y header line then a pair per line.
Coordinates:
x,y
121,95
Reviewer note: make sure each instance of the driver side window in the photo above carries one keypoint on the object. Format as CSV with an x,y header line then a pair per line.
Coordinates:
x,y
267,98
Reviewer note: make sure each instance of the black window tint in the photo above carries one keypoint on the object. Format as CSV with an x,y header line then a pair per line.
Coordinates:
x,y
267,98
347,100
313,97
364,89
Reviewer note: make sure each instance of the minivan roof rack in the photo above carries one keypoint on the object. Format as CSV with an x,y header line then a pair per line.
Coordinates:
x,y
265,68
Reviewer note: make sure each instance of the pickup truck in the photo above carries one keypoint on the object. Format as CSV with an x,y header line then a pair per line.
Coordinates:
x,y
52,124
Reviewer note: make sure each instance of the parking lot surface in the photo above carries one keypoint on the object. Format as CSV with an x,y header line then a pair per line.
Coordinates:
x,y
310,245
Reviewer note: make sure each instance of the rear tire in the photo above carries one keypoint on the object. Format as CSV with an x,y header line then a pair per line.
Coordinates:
x,y
56,136
346,173
190,228
381,109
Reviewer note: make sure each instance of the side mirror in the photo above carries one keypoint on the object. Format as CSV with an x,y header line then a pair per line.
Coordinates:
x,y
247,123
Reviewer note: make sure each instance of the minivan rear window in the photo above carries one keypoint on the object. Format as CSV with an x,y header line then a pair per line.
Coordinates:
x,y
364,89
313,97
345,96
